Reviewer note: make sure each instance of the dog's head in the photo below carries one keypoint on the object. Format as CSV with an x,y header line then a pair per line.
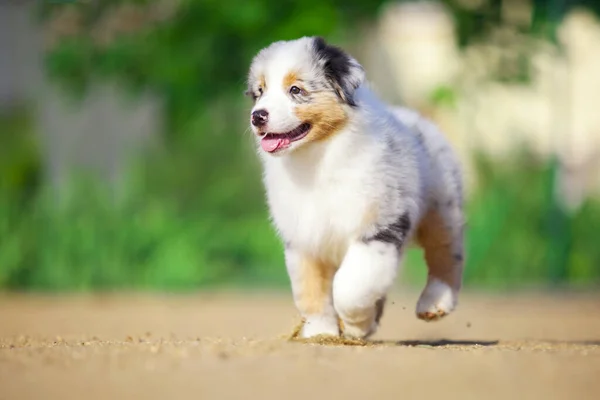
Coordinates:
x,y
303,91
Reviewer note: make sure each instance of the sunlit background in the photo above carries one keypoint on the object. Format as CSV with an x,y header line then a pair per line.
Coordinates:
x,y
125,160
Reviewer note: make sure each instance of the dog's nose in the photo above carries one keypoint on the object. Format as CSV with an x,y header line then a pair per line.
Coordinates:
x,y
260,118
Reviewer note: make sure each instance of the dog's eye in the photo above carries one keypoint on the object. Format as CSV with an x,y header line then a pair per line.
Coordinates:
x,y
257,96
295,90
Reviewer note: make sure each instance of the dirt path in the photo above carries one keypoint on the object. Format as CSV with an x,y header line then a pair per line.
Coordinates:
x,y
231,347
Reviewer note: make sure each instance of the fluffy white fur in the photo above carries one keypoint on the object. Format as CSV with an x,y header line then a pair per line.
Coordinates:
x,y
346,204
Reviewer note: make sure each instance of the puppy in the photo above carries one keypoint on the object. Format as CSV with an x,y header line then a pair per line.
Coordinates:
x,y
349,181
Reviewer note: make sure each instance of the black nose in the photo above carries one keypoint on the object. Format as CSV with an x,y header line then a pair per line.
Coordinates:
x,y
260,118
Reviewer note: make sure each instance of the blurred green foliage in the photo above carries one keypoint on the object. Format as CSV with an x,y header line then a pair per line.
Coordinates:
x,y
199,53
193,214
218,233
19,153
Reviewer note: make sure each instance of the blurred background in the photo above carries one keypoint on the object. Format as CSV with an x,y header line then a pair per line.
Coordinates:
x,y
125,160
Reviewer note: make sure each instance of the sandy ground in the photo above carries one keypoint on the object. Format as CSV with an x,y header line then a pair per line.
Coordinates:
x,y
233,346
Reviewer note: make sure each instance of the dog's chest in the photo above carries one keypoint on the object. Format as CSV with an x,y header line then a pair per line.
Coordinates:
x,y
320,218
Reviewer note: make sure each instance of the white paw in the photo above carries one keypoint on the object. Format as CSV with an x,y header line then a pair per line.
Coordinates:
x,y
437,300
316,326
361,330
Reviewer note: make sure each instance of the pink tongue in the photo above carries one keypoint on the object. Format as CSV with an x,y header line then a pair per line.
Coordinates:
x,y
272,144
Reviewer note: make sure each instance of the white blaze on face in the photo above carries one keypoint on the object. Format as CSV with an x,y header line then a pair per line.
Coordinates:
x,y
276,101
280,108
293,58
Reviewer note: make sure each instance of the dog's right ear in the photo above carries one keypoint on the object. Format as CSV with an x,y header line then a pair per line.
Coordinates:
x,y
343,72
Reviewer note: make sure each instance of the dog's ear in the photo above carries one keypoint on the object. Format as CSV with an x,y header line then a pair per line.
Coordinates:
x,y
341,70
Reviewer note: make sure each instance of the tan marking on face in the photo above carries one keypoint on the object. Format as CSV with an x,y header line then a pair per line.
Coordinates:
x,y
326,115
316,281
288,80
443,249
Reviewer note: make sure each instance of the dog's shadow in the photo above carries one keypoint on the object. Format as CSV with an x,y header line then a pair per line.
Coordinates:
x,y
437,343
476,343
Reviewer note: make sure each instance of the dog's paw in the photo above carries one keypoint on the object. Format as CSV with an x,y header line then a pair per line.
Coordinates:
x,y
359,331
437,300
319,326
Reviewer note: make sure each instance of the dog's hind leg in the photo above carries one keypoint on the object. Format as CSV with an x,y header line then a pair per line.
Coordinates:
x,y
441,235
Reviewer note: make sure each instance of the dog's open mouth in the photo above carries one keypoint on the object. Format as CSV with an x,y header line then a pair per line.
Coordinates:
x,y
273,142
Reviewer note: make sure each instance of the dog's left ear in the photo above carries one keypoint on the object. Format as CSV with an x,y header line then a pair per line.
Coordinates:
x,y
341,70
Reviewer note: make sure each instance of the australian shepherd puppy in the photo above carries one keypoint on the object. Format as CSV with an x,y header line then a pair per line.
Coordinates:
x,y
349,181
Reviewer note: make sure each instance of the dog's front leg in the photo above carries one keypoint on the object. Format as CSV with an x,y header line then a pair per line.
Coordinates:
x,y
311,281
361,285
